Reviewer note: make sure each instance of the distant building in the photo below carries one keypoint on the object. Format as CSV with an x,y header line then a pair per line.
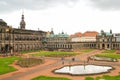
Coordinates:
x,y
117,36
105,40
59,41
20,39
88,36
86,40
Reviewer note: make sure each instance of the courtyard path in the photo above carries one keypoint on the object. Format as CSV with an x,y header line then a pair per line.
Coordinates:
x,y
53,63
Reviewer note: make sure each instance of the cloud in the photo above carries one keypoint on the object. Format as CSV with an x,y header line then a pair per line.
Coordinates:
x,y
11,5
107,4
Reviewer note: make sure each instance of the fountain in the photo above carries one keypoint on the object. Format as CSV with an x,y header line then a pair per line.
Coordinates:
x,y
83,69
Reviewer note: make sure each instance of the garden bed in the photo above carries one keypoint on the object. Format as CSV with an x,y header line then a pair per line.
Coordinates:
x,y
29,62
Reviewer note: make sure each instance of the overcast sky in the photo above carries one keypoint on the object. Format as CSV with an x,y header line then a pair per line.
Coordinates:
x,y
70,16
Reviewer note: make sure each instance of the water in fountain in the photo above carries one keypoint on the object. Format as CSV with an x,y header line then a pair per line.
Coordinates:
x,y
83,69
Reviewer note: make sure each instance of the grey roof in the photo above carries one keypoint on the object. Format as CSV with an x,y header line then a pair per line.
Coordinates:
x,y
1,20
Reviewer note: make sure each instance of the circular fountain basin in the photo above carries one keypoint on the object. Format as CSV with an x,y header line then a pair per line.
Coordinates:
x,y
83,70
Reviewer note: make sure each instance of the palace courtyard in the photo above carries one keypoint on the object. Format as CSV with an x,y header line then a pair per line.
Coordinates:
x,y
52,63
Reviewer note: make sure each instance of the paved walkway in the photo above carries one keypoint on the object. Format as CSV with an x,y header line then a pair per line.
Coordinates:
x,y
51,64
20,75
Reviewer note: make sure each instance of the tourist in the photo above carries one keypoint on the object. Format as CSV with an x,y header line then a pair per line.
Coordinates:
x,y
88,58
73,59
62,60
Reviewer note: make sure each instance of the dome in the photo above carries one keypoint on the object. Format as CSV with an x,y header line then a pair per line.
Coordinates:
x,y
51,35
2,22
62,35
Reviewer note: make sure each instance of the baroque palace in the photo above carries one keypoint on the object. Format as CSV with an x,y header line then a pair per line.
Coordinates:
x,y
20,39
13,39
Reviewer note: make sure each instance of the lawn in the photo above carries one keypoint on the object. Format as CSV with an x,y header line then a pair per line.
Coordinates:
x,y
104,77
25,52
110,54
116,56
54,54
86,50
49,78
4,64
109,51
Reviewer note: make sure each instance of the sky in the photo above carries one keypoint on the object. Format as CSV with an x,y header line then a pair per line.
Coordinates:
x,y
69,16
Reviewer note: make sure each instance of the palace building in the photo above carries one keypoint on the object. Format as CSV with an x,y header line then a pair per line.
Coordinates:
x,y
95,40
19,39
85,40
108,40
60,42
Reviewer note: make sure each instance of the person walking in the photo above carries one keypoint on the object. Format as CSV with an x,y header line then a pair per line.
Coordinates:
x,y
62,59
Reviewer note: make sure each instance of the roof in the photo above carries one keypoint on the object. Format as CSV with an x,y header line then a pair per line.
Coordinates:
x,y
59,35
85,34
2,22
90,33
78,34
105,33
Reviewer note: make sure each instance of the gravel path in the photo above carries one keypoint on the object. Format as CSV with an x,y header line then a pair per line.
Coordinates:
x,y
53,63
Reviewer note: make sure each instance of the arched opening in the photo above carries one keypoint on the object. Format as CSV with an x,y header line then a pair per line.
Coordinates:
x,y
103,46
108,46
6,48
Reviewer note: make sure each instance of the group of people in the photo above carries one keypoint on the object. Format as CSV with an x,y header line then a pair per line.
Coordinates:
x,y
73,59
63,59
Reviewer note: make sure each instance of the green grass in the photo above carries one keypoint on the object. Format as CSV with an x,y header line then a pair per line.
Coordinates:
x,y
109,51
109,54
4,64
25,52
54,54
89,78
105,77
86,50
49,78
116,56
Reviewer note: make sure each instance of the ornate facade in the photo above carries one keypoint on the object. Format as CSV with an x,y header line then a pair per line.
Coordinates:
x,y
13,39
85,40
102,40
59,42
108,40
16,40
